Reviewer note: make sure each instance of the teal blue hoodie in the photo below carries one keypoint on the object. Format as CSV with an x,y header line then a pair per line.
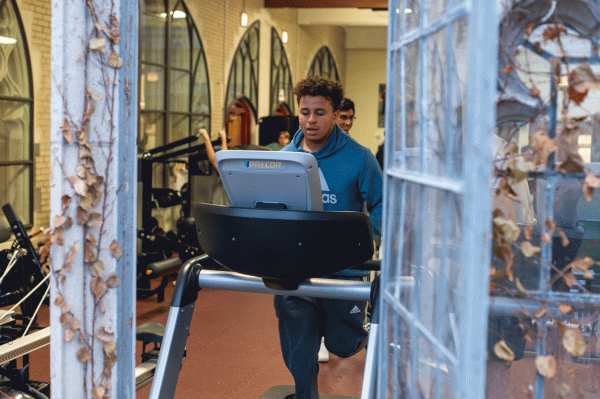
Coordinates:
x,y
350,175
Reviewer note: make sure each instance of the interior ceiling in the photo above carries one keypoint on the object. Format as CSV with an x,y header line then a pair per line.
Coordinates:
x,y
377,4
364,21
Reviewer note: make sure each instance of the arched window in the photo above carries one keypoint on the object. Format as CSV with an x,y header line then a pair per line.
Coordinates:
x,y
174,87
243,75
324,65
16,114
281,77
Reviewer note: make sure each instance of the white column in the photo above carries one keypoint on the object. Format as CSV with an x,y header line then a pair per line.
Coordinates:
x,y
93,198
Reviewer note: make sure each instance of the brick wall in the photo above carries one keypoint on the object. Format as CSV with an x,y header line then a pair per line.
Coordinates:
x,y
218,23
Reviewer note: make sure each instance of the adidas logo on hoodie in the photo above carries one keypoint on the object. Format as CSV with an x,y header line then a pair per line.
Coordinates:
x,y
327,198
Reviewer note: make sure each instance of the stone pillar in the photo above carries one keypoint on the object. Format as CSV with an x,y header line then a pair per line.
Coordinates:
x,y
93,198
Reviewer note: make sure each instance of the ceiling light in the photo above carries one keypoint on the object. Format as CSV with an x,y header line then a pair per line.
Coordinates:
x,y
407,10
7,40
244,19
284,37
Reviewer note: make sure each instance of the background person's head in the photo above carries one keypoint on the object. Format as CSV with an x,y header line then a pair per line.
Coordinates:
x,y
345,118
284,138
318,102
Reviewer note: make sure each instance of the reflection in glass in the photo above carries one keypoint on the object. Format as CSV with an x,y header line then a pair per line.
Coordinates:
x,y
243,75
152,84
15,187
180,46
15,131
179,94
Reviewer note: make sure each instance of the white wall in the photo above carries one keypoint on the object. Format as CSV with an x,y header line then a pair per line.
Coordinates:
x,y
365,71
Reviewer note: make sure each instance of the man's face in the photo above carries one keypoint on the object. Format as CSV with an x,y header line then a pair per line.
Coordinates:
x,y
316,119
345,120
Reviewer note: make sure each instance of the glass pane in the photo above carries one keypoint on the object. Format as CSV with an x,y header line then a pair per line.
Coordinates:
x,y
458,64
152,40
179,47
436,9
155,7
179,91
15,131
152,87
201,102
180,127
151,131
397,348
15,188
200,122
437,131
14,76
412,13
412,84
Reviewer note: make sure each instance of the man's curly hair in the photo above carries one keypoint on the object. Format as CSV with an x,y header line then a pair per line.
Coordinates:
x,y
319,86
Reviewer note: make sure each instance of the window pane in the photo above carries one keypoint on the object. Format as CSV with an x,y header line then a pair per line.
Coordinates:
x,y
437,131
151,131
14,77
201,102
152,46
180,91
152,87
15,131
15,188
459,88
412,95
180,127
200,122
179,47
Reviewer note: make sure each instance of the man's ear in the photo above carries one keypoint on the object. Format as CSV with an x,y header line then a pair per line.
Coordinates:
x,y
336,114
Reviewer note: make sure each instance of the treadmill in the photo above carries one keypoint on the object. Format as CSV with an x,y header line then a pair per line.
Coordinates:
x,y
274,239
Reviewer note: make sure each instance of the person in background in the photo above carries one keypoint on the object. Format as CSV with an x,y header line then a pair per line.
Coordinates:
x,y
345,118
210,151
282,140
350,176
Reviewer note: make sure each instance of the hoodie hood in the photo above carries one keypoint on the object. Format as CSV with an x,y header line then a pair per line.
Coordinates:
x,y
337,140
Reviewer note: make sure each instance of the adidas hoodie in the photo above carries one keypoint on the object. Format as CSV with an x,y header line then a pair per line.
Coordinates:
x,y
350,175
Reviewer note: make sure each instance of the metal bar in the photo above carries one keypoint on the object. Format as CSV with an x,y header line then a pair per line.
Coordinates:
x,y
410,318
314,287
171,352
24,345
442,183
370,372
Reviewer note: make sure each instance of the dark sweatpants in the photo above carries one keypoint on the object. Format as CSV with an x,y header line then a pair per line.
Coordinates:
x,y
302,323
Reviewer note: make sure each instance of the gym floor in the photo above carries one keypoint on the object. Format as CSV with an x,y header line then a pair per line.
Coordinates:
x,y
232,352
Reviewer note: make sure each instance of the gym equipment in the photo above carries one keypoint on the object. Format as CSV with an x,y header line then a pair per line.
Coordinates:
x,y
269,248
22,284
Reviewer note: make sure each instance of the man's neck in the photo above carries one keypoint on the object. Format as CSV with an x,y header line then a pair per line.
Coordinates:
x,y
310,146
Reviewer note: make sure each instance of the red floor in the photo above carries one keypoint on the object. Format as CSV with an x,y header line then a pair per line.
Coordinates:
x,y
232,352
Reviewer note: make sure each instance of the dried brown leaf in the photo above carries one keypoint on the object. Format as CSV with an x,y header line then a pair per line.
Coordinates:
x,y
510,229
546,366
528,232
59,300
98,287
64,318
88,253
573,341
551,226
98,392
115,249
590,183
520,287
113,281
97,268
82,216
105,335
69,334
65,308
78,185
582,263
564,240
546,238
98,44
115,35
540,312
59,220
95,219
528,249
565,308
573,164
65,202
503,352
114,60
89,237
554,31
569,279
